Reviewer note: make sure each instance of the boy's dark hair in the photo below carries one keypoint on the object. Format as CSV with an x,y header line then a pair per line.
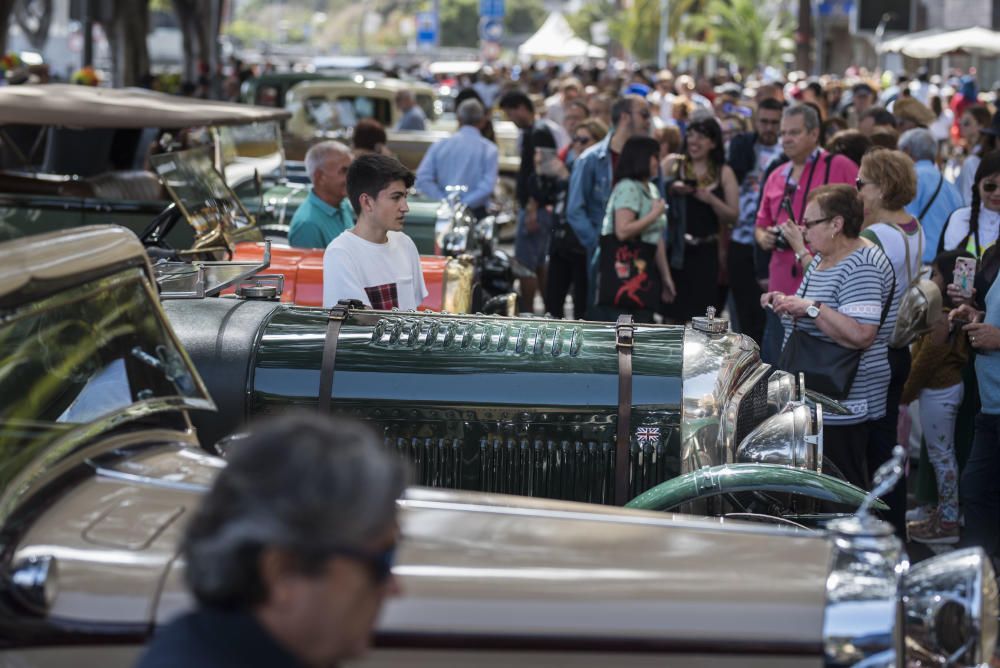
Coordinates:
x,y
371,174
944,264
634,160
513,99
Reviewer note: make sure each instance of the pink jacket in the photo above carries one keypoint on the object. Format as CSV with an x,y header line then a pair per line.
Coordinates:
x,y
784,273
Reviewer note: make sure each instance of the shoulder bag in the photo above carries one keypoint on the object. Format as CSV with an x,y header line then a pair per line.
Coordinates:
x,y
829,367
628,278
920,305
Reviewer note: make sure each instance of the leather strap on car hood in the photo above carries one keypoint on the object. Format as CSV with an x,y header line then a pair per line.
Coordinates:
x,y
335,321
624,337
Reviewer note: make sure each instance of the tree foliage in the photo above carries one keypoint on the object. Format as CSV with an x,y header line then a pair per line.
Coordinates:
x,y
742,33
459,22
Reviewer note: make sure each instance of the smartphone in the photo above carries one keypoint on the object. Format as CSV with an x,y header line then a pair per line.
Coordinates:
x,y
965,274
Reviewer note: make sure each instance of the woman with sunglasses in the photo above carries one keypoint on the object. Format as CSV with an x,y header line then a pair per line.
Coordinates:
x,y
887,182
841,301
974,228
567,256
973,128
704,199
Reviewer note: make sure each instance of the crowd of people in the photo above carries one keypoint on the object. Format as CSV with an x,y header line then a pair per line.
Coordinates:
x,y
848,229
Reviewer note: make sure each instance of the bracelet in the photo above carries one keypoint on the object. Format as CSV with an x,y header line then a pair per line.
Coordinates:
x,y
799,256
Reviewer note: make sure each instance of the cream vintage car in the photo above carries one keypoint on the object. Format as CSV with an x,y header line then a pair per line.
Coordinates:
x,y
330,108
101,469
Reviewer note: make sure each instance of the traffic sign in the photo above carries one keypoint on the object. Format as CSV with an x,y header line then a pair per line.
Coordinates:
x,y
491,8
490,29
427,29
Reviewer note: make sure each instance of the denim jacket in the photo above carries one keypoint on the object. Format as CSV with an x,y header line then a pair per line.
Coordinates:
x,y
589,190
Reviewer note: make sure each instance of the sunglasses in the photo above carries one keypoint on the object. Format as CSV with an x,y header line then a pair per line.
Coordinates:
x,y
378,563
580,140
990,187
860,183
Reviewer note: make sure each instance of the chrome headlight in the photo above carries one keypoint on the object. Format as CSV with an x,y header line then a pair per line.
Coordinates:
x,y
787,438
780,391
950,603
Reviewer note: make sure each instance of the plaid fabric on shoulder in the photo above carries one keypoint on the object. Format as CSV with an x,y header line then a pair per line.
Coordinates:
x,y
383,297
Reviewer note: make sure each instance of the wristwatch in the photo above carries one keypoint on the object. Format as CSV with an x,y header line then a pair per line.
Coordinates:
x,y
799,256
813,310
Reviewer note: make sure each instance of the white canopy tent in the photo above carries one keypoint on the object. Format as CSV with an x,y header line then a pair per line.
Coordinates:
x,y
935,43
555,40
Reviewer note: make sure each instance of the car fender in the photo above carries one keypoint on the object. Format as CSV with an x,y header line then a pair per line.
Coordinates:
x,y
735,478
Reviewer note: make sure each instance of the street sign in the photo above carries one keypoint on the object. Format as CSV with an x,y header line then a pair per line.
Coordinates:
x,y
427,29
491,8
490,29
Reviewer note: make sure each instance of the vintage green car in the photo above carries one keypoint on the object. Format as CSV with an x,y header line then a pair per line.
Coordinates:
x,y
102,469
76,155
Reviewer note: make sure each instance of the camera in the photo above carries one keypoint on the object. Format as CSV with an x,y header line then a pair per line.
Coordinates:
x,y
780,242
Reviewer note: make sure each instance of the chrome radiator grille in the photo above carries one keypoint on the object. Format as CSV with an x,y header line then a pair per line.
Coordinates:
x,y
568,470
752,410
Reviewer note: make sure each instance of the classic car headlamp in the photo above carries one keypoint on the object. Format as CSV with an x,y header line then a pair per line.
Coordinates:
x,y
33,583
780,391
786,438
950,605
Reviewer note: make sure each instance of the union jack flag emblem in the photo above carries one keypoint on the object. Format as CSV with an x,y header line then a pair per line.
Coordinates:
x,y
647,435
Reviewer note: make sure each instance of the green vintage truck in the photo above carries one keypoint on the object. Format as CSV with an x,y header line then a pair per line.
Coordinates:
x,y
76,155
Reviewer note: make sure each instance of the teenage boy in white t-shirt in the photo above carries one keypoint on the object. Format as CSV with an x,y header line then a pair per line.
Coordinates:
x,y
375,262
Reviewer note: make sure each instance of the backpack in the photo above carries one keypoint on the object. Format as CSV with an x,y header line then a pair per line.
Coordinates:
x,y
920,305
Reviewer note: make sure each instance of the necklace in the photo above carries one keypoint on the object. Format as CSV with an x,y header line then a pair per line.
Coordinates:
x,y
705,180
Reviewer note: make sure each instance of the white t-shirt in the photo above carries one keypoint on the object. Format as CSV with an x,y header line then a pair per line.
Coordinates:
x,y
957,228
381,276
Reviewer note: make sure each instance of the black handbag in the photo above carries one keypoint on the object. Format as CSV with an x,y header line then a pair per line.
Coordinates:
x,y
628,278
829,367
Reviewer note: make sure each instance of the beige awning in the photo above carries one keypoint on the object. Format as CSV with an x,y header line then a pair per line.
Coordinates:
x,y
74,106
934,44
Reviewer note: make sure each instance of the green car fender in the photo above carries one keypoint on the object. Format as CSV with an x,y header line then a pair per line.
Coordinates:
x,y
735,478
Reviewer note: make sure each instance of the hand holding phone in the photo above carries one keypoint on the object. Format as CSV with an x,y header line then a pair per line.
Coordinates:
x,y
965,275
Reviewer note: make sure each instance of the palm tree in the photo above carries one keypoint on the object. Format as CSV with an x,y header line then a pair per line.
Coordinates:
x,y
738,31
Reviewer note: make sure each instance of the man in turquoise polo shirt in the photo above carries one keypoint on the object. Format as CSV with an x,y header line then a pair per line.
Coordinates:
x,y
327,212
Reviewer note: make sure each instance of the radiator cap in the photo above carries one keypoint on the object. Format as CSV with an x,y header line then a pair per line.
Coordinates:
x,y
709,323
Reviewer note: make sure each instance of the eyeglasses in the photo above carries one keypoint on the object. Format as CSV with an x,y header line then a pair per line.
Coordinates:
x,y
809,224
990,187
379,563
644,113
580,140
859,183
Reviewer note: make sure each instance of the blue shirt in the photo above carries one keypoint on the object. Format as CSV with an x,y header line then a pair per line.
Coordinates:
x,y
589,191
988,363
316,223
464,159
946,202
413,119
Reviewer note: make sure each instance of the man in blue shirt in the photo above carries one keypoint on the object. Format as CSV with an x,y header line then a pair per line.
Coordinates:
x,y
326,213
464,159
413,117
936,196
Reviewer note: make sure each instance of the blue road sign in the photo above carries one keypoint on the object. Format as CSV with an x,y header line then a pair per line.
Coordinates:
x,y
427,28
490,29
491,8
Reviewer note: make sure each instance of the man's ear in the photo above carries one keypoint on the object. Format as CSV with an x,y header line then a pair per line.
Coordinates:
x,y
274,566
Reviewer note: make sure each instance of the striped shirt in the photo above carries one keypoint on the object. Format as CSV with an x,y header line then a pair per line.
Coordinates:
x,y
858,286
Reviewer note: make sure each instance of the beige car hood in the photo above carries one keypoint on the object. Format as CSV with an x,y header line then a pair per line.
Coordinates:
x,y
479,565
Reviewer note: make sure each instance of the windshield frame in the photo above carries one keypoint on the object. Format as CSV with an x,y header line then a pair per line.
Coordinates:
x,y
70,436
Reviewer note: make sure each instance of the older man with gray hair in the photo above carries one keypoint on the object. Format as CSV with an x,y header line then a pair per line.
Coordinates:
x,y
290,554
464,159
937,197
326,213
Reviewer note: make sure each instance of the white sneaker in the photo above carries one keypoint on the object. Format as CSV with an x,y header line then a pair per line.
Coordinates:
x,y
920,513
